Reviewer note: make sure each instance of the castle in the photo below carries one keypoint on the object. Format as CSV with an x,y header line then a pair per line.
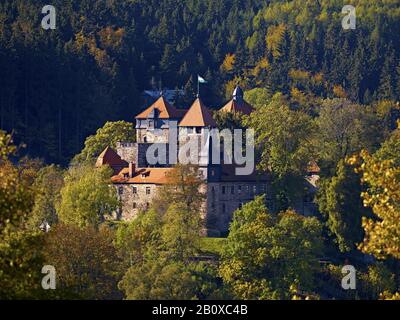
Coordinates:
x,y
137,181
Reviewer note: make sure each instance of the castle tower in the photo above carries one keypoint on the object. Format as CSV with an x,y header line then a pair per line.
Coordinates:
x,y
237,104
152,124
195,126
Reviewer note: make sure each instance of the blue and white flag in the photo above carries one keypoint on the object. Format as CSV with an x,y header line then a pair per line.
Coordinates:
x,y
200,79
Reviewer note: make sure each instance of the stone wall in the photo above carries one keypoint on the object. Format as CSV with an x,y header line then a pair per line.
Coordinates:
x,y
132,202
163,151
152,136
127,151
223,198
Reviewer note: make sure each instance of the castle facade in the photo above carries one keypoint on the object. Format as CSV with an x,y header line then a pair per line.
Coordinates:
x,y
164,127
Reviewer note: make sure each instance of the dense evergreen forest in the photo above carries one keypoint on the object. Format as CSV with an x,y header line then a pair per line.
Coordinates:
x,y
327,130
59,86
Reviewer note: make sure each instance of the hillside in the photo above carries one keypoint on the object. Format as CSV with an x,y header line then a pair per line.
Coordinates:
x,y
57,87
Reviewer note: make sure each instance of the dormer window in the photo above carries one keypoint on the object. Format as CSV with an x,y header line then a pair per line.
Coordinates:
x,y
151,124
197,130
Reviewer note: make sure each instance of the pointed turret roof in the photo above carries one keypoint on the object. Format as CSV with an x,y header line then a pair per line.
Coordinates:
x,y
237,104
198,116
164,109
110,157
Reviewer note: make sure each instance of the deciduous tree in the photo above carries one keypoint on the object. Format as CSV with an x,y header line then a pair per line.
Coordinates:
x,y
270,257
87,196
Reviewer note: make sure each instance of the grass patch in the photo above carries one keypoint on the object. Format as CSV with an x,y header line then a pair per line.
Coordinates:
x,y
212,245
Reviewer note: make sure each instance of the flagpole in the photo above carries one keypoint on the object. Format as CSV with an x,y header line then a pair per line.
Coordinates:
x,y
198,87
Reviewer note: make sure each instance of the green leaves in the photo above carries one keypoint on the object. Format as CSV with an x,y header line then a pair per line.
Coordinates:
x,y
6,146
266,256
86,261
108,135
284,135
87,196
339,200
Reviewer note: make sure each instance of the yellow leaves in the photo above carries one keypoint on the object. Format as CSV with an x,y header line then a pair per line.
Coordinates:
x,y
297,95
339,91
319,78
110,38
383,107
382,236
230,86
89,42
296,74
274,39
354,160
229,62
261,65
6,145
389,296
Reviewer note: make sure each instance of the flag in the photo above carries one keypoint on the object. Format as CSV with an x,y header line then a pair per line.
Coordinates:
x,y
200,79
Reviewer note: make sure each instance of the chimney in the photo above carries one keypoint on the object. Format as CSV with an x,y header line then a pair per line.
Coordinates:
x,y
132,168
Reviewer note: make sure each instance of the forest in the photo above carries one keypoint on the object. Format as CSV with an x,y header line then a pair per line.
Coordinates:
x,y
320,94
59,86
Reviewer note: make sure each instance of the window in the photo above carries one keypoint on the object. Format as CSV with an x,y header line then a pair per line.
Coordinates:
x,y
212,173
197,130
120,190
223,189
147,205
134,205
254,189
134,190
148,190
247,189
240,205
232,189
239,189
145,139
223,208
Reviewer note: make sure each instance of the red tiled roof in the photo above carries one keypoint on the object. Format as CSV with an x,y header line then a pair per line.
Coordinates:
x,y
166,111
145,176
236,106
198,116
312,167
111,158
